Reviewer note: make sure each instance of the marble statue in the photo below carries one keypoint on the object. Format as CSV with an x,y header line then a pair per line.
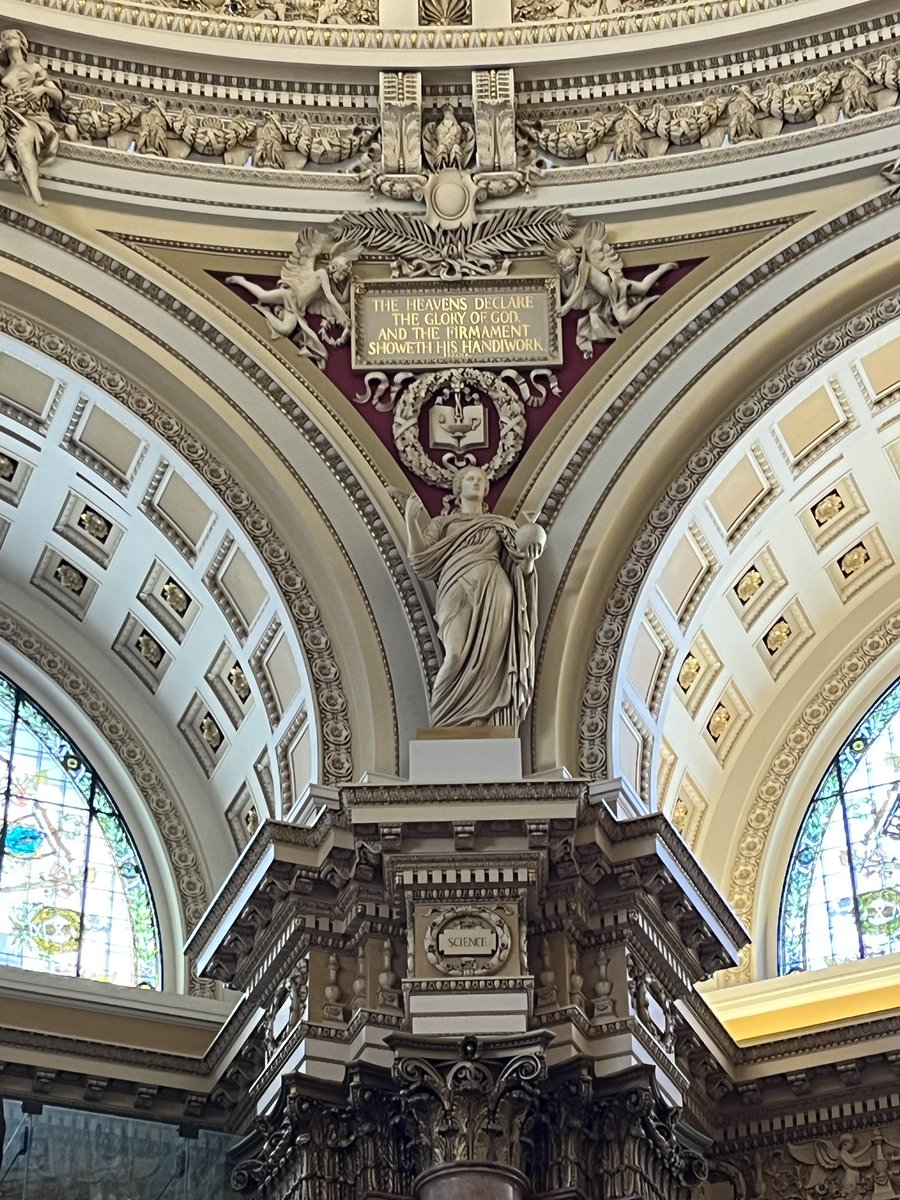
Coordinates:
x,y
592,279
28,137
306,289
486,607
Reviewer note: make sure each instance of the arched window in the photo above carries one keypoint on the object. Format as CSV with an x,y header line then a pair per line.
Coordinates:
x,y
74,898
841,898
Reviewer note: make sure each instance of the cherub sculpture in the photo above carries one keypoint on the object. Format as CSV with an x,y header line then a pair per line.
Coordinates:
x,y
592,279
308,290
28,137
825,1160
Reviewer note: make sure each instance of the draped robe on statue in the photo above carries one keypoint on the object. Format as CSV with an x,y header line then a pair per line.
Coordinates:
x,y
486,614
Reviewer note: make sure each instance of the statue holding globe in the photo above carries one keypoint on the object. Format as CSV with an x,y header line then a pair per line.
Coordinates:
x,y
486,607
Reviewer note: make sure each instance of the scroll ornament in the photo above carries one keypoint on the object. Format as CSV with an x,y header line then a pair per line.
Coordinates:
x,y
450,187
471,1109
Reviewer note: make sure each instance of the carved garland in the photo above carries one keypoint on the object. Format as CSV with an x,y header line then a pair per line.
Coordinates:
x,y
193,896
510,411
325,676
732,121
845,89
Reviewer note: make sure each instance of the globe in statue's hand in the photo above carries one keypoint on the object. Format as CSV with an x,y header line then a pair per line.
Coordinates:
x,y
530,539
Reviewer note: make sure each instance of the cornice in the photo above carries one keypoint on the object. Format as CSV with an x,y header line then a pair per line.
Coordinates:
x,y
652,21
272,832
522,791
801,53
128,94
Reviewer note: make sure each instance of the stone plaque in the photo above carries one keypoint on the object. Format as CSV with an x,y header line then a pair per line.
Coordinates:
x,y
462,938
490,322
469,941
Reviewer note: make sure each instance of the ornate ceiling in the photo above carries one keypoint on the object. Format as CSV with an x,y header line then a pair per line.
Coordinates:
x,y
717,482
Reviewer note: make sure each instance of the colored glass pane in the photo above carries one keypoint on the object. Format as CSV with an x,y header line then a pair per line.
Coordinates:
x,y
74,898
841,898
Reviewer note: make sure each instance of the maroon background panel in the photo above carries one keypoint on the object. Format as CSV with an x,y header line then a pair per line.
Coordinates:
x,y
350,383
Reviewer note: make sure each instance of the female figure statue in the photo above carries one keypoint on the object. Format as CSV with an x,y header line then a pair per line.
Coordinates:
x,y
486,607
28,137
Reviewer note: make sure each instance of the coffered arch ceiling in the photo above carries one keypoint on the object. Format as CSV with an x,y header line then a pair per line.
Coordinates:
x,y
787,233
141,575
132,585
674,403
765,622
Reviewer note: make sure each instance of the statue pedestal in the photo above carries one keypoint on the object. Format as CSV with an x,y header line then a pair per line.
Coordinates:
x,y
429,968
477,754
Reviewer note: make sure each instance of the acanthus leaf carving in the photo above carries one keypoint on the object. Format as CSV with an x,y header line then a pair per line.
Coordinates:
x,y
470,1107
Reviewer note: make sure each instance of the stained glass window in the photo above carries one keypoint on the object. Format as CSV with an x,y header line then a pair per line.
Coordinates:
x,y
842,895
74,898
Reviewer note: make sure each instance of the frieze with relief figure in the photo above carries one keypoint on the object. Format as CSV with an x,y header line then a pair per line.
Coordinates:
x,y
453,337
847,1165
